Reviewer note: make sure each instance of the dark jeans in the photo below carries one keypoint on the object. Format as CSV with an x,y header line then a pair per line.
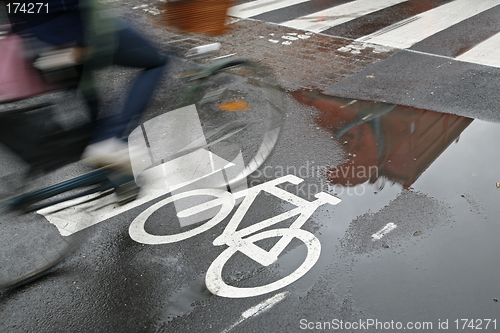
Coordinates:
x,y
132,51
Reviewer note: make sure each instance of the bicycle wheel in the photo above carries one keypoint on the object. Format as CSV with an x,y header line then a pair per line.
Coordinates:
x,y
215,281
229,123
30,247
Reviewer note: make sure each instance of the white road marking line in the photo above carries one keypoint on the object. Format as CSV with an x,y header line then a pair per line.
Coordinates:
x,y
258,309
406,33
331,17
384,231
254,8
486,53
194,169
69,217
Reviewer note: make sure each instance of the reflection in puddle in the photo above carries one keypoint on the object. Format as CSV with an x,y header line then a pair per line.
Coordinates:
x,y
409,149
383,141
451,212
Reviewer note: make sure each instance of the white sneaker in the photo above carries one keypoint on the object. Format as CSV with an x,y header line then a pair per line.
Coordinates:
x,y
111,153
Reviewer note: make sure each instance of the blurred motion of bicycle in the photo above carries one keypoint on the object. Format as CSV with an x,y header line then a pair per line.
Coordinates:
x,y
237,115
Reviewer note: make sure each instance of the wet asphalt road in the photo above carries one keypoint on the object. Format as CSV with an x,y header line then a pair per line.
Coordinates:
x,y
434,192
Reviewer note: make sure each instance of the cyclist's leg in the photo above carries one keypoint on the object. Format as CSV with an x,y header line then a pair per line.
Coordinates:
x,y
109,144
135,51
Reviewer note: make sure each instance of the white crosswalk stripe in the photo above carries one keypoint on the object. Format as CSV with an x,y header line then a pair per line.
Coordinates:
x,y
331,17
257,7
441,18
408,32
486,53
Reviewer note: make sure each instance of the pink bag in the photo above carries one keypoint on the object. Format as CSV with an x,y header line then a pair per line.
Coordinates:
x,y
18,78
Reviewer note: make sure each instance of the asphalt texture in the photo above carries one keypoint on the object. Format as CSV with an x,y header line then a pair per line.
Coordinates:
x,y
438,185
428,82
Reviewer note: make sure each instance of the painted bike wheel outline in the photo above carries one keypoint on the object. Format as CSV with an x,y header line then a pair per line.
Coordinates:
x,y
217,286
140,235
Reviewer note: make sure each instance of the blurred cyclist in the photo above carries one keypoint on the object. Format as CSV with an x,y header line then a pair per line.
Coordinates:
x,y
98,39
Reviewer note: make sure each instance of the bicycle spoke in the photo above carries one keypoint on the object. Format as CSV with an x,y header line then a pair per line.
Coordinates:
x,y
229,125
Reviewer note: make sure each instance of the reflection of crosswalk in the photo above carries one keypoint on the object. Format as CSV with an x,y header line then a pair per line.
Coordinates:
x,y
463,29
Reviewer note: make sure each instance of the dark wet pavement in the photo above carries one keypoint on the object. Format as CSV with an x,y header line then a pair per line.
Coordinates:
x,y
424,183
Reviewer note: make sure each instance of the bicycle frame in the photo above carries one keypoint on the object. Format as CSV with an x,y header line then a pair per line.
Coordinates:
x,y
234,238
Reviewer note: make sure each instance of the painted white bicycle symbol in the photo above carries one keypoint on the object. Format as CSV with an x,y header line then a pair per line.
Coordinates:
x,y
244,240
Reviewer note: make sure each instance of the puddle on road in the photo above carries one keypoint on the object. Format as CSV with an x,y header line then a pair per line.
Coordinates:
x,y
383,142
391,146
416,169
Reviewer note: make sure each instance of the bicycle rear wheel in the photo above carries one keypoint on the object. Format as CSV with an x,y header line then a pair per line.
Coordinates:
x,y
229,124
30,247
